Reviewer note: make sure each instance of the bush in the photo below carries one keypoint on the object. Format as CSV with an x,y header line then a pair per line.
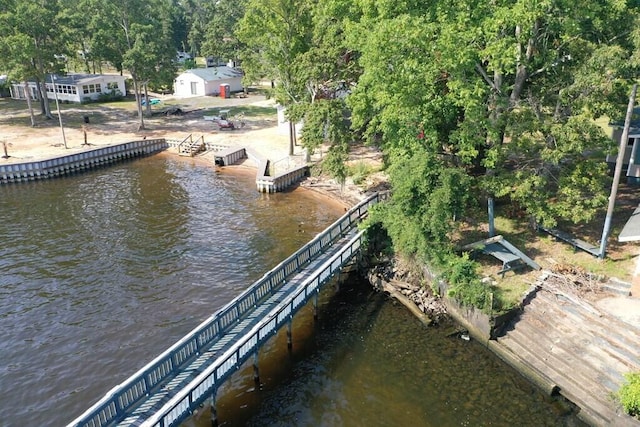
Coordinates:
x,y
629,394
464,284
112,95
359,172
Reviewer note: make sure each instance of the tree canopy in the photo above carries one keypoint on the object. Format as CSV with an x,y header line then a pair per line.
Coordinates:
x,y
506,92
470,101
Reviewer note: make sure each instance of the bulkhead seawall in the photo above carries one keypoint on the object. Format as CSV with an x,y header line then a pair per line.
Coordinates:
x,y
72,163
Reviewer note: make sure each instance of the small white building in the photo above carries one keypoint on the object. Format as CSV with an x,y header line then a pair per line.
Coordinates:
x,y
207,81
76,88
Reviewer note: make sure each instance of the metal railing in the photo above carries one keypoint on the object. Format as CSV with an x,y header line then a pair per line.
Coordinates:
x,y
114,406
191,146
197,391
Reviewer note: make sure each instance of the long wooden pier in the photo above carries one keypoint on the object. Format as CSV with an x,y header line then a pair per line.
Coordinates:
x,y
167,390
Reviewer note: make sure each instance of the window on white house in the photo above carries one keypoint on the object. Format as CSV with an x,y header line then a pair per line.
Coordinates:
x,y
91,88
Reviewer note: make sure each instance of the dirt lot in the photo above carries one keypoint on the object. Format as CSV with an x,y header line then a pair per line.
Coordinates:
x,y
117,122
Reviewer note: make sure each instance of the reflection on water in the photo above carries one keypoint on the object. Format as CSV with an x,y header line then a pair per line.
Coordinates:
x,y
368,362
103,271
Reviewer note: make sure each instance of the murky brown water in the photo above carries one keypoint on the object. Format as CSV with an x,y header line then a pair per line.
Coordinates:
x,y
103,271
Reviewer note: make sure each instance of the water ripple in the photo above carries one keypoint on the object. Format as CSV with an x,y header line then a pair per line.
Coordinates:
x,y
104,270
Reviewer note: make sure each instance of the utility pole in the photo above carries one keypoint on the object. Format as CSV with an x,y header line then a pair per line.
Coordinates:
x,y
55,95
618,172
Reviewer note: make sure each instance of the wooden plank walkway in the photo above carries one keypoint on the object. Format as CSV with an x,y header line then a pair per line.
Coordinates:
x,y
581,350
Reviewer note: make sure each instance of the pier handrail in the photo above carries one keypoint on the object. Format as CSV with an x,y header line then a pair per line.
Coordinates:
x,y
188,139
114,405
196,391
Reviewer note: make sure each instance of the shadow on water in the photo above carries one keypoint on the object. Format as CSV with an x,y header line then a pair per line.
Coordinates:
x,y
367,362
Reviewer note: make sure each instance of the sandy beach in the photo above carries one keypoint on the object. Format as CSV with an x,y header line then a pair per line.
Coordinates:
x,y
25,143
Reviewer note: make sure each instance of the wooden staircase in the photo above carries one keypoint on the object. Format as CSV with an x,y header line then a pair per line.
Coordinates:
x,y
190,146
583,351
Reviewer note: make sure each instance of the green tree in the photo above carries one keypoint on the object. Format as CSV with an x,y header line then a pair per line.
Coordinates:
x,y
300,46
329,71
78,35
507,91
219,39
134,35
31,41
196,16
276,33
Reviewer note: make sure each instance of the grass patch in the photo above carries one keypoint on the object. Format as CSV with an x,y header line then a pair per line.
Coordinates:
x,y
546,251
508,293
252,111
360,170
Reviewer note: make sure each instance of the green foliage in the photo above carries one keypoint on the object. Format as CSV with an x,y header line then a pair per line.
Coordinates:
x,y
335,162
464,284
377,241
110,96
222,18
428,197
629,394
324,123
508,92
276,34
189,64
359,171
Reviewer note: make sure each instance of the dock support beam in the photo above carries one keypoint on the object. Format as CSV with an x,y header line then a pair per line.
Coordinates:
x,y
214,411
289,339
315,307
256,370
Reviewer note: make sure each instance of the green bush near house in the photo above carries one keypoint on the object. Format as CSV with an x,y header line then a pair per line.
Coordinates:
x,y
110,96
629,394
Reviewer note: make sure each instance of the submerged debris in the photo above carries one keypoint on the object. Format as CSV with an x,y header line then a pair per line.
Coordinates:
x,y
420,297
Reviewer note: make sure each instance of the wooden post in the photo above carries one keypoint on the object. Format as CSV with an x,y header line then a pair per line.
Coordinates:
x,y
214,411
315,307
256,369
617,173
490,210
292,132
289,338
55,94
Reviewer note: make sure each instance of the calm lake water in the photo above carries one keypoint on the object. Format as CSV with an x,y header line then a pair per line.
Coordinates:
x,y
103,271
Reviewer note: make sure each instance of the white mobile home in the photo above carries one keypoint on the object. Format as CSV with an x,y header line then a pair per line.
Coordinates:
x,y
207,81
76,88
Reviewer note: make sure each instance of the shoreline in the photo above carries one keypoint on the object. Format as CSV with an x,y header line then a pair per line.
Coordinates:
x,y
346,196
